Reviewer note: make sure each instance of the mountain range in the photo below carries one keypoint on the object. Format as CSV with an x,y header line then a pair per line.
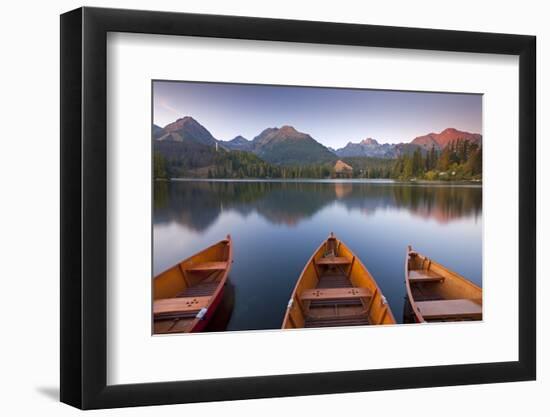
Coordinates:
x,y
371,148
184,130
440,140
279,146
367,147
288,146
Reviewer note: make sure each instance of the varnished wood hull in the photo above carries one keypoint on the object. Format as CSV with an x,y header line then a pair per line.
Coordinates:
x,y
334,290
436,294
186,296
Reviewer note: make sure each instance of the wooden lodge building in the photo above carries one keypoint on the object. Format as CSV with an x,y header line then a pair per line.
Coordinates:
x,y
342,170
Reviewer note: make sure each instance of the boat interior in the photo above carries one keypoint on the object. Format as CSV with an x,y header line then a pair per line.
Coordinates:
x,y
440,294
335,290
181,292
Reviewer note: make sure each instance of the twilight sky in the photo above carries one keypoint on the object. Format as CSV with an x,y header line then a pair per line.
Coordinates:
x,y
332,116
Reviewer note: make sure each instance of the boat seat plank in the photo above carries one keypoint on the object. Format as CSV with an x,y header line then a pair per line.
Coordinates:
x,y
179,305
424,275
185,315
334,293
208,266
448,309
337,321
342,302
333,260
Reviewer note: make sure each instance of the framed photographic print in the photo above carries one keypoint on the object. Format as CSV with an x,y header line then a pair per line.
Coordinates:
x,y
257,208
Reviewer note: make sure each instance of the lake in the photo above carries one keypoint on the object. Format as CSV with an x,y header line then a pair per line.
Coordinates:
x,y
276,226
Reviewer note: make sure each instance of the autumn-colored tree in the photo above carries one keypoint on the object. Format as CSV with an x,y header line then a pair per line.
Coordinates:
x,y
444,160
474,164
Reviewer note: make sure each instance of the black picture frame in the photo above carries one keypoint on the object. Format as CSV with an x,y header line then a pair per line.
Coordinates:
x,y
84,207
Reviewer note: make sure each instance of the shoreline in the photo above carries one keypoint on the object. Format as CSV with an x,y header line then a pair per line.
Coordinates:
x,y
329,181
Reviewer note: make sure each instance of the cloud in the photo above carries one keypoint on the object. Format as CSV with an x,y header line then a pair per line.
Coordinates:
x,y
162,103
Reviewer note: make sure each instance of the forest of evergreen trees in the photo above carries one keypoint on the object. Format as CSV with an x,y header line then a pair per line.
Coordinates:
x,y
368,167
460,160
235,167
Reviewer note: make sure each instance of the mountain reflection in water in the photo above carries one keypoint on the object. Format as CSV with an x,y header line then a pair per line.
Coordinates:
x,y
197,204
276,226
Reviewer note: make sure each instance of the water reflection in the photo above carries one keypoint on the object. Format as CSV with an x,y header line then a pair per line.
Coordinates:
x,y
277,225
198,204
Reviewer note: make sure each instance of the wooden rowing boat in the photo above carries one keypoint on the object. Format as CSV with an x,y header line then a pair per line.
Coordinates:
x,y
436,293
186,295
335,289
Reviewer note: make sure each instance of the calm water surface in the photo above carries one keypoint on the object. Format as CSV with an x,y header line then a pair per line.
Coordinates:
x,y
276,226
